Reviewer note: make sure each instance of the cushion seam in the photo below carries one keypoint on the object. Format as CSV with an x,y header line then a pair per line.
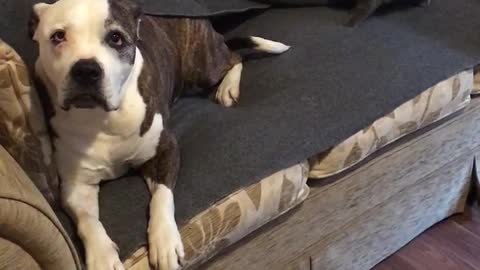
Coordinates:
x,y
391,153
59,229
21,247
460,107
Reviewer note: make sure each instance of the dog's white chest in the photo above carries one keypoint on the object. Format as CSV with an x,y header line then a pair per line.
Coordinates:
x,y
100,154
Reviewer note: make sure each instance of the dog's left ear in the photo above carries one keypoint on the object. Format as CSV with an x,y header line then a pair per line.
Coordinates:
x,y
35,16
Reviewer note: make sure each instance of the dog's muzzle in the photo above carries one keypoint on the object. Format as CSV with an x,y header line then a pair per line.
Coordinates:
x,y
86,77
85,101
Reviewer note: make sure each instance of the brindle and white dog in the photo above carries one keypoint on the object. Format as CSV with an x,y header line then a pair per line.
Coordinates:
x,y
111,74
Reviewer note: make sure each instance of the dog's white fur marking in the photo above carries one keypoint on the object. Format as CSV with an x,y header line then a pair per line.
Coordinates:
x,y
269,46
83,41
165,243
228,91
101,252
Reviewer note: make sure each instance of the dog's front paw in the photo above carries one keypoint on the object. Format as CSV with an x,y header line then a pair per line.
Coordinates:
x,y
229,90
103,256
166,247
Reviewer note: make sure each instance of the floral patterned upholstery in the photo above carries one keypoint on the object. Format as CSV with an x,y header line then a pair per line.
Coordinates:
x,y
23,131
430,106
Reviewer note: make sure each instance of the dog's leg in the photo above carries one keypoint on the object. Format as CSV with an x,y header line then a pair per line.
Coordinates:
x,y
81,201
229,90
165,244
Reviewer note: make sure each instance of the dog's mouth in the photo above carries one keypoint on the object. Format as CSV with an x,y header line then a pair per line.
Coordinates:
x,y
86,101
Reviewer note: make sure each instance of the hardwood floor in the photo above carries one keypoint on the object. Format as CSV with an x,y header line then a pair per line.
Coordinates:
x,y
453,244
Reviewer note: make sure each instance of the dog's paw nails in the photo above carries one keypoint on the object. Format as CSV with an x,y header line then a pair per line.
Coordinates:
x,y
228,92
103,256
235,99
228,95
166,248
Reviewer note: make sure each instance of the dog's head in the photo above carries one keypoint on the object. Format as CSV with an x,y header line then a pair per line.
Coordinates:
x,y
86,50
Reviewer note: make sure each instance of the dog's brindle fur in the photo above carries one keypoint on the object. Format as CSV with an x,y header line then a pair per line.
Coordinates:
x,y
177,54
191,54
195,56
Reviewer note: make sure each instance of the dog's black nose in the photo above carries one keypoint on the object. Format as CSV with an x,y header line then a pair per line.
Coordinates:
x,y
86,72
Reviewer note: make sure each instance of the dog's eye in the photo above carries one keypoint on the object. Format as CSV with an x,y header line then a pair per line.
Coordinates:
x,y
115,40
58,37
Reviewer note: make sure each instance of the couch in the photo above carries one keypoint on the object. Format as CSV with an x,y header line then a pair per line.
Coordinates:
x,y
370,190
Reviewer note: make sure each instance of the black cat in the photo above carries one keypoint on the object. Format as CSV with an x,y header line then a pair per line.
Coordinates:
x,y
365,8
362,9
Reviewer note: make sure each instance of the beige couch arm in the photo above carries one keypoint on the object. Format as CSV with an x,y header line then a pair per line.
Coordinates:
x,y
31,237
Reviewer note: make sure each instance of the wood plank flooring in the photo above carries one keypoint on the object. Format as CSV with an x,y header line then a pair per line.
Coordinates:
x,y
453,244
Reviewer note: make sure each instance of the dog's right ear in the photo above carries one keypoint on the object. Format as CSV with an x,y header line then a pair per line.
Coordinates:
x,y
36,14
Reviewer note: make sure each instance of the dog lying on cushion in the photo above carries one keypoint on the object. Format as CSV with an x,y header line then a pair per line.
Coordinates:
x,y
111,74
